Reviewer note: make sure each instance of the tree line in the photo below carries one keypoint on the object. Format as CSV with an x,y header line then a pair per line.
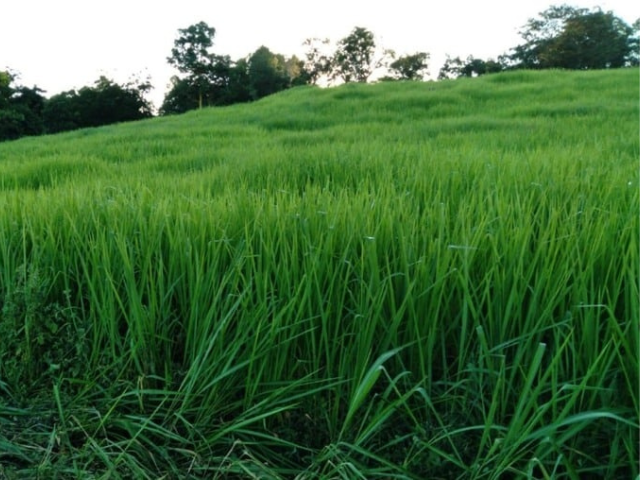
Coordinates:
x,y
24,111
561,37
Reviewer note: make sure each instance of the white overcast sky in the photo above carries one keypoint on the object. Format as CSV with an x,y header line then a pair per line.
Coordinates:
x,y
63,44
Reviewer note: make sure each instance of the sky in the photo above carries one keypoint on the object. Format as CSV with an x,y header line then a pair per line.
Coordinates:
x,y
60,45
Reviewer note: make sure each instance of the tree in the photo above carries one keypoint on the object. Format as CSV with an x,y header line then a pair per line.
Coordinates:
x,y
411,67
20,108
102,104
452,68
296,72
180,98
267,73
108,102
471,67
62,112
190,55
228,83
29,102
318,59
6,90
575,38
239,82
634,56
356,57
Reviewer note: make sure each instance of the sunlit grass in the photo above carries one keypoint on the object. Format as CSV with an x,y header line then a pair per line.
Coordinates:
x,y
406,280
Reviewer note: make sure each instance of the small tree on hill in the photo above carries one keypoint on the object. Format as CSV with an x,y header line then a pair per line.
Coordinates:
x,y
267,73
411,67
471,67
191,56
317,62
357,57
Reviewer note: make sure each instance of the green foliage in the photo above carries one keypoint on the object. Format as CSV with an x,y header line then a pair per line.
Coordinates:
x,y
471,67
63,112
6,90
206,73
20,108
356,57
215,80
239,89
267,73
296,72
399,280
182,97
576,38
42,338
105,103
11,124
411,67
190,53
317,59
24,111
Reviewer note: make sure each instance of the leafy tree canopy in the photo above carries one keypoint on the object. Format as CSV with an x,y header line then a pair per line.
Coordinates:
x,y
190,55
190,52
317,63
267,73
102,104
6,91
471,67
411,67
357,57
181,97
576,38
20,108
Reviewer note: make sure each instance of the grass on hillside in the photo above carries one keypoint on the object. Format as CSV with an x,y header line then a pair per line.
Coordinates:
x,y
400,280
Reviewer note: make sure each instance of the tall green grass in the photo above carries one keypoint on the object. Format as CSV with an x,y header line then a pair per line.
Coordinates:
x,y
401,280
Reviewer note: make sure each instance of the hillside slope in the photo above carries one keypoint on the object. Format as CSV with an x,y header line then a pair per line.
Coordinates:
x,y
399,280
528,110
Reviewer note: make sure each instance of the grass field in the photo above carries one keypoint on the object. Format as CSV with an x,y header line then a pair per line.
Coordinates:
x,y
399,280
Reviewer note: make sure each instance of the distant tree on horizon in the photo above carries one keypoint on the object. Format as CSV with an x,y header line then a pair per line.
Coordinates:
x,y
190,55
357,57
318,59
471,67
267,73
214,80
411,67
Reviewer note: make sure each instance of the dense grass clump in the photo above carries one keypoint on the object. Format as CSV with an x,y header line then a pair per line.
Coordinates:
x,y
401,280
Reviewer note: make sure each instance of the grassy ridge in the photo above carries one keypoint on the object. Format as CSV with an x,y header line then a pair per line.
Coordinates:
x,y
372,281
